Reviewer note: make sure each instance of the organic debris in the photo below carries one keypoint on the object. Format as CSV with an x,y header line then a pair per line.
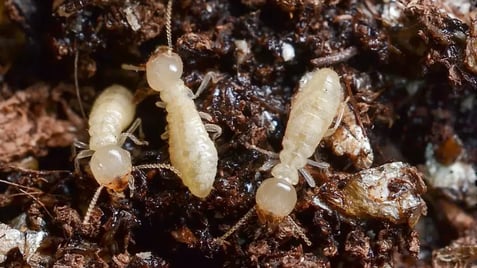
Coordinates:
x,y
408,71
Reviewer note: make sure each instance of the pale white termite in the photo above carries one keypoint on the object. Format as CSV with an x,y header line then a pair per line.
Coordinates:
x,y
312,111
191,150
111,166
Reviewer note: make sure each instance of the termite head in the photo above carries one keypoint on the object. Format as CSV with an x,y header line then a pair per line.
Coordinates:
x,y
163,69
111,167
276,199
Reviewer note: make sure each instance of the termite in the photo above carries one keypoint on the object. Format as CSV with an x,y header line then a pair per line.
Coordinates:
x,y
111,166
191,150
312,112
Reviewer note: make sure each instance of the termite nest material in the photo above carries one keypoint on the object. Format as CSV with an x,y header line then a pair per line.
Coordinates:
x,y
390,192
394,44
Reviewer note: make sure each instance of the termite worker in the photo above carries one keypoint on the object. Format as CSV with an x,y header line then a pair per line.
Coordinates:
x,y
112,111
312,112
313,109
191,150
111,166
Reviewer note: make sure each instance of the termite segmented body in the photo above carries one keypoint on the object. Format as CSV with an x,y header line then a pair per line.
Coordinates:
x,y
111,166
112,112
191,150
312,112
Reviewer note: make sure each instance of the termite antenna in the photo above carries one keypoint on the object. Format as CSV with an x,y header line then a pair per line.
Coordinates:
x,y
92,204
158,166
169,26
237,226
298,230
78,96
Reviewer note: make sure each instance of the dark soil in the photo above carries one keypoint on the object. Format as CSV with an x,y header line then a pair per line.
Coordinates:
x,y
409,69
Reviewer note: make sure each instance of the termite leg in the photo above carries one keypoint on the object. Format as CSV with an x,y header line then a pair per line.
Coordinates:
x,y
135,125
237,226
81,155
161,104
308,178
342,108
205,82
269,164
128,134
216,130
263,151
165,134
80,145
125,135
77,145
205,116
320,165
